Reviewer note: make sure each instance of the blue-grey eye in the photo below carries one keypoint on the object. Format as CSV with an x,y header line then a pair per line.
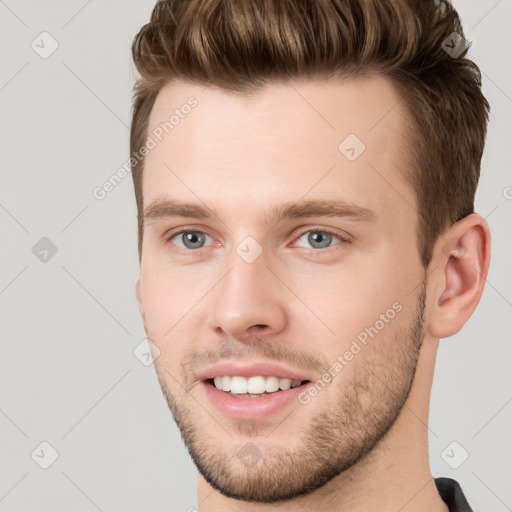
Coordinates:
x,y
190,239
318,239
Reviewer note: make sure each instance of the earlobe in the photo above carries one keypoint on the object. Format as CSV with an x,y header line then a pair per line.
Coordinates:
x,y
462,259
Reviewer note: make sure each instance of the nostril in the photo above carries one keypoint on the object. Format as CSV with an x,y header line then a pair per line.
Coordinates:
x,y
258,327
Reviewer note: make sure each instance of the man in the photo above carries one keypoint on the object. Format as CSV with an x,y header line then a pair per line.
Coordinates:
x,y
305,173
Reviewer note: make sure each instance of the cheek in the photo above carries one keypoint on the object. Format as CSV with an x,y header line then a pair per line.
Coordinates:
x,y
173,300
161,298
163,309
167,289
362,302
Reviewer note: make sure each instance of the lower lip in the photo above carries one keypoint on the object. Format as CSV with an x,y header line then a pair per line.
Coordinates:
x,y
252,408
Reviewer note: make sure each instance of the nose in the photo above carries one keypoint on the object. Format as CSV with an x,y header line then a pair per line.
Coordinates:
x,y
249,301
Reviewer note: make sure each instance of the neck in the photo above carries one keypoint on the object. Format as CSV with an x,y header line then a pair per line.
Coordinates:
x,y
395,476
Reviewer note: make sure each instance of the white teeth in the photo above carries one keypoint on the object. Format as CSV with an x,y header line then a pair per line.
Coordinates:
x,y
226,383
238,385
285,384
256,385
271,384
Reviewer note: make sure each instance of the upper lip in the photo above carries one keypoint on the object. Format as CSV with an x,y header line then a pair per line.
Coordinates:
x,y
249,370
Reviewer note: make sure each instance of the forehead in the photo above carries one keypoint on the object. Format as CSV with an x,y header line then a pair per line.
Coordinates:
x,y
324,138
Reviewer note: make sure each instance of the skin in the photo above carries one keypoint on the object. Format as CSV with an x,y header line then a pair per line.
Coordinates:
x,y
361,443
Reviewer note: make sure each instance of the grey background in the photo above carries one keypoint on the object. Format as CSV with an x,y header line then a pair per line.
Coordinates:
x,y
70,324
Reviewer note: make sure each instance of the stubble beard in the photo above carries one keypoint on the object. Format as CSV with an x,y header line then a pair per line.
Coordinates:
x,y
333,440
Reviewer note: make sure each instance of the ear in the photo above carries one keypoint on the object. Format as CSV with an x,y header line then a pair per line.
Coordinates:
x,y
138,296
460,263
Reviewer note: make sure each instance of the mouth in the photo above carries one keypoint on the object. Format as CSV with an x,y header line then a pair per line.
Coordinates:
x,y
253,387
255,403
261,389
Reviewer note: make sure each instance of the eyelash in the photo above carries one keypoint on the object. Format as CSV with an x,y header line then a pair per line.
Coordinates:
x,y
309,249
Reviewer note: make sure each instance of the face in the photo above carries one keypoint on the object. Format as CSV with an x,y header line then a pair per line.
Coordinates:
x,y
280,242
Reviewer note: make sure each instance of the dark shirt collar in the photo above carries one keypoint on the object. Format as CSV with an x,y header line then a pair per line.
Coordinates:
x,y
451,493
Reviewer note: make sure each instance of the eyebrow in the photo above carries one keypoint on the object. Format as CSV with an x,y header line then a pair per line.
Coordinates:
x,y
289,210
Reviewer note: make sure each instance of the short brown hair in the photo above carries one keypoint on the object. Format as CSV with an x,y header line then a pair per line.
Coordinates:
x,y
241,45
